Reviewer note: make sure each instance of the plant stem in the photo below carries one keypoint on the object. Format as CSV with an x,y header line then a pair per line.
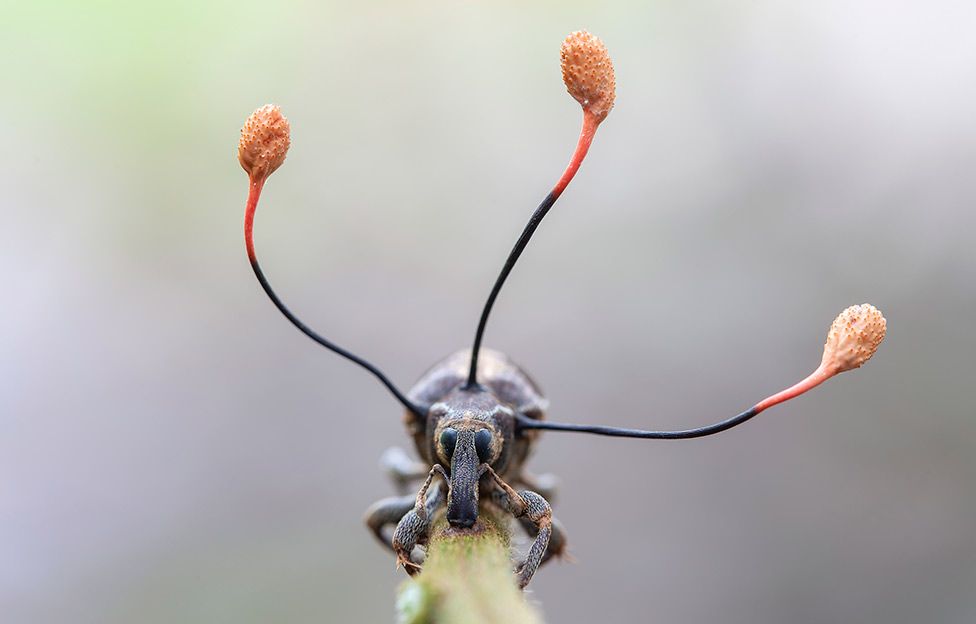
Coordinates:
x,y
467,579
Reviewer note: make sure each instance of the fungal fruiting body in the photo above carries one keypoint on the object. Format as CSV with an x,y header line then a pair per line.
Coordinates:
x,y
589,78
265,139
264,143
852,340
588,73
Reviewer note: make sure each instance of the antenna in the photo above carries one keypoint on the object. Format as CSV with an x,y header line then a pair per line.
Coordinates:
x,y
588,75
265,139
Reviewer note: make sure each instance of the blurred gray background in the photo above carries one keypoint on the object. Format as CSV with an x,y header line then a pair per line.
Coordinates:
x,y
172,450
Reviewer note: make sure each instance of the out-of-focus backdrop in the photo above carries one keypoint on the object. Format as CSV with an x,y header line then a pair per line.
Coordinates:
x,y
171,450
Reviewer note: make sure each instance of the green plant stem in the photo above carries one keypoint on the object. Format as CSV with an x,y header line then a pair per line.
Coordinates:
x,y
467,579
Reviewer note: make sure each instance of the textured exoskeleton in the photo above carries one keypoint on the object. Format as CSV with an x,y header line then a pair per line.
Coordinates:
x,y
469,441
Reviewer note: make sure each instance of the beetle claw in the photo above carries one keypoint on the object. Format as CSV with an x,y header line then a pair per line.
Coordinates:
x,y
409,566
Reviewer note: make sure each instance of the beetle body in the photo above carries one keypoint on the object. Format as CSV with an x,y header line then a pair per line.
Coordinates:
x,y
505,388
470,439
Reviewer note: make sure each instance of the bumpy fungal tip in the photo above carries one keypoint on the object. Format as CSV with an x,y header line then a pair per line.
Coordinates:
x,y
588,72
853,338
265,139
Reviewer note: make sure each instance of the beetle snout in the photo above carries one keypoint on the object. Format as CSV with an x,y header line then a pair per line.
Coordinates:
x,y
462,505
465,521
462,497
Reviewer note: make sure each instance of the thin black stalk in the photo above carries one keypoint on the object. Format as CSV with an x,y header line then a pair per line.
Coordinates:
x,y
305,329
520,244
525,423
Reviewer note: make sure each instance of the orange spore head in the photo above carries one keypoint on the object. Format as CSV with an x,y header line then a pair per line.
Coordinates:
x,y
588,73
853,338
265,139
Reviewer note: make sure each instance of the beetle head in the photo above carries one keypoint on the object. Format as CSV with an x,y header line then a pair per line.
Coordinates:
x,y
469,428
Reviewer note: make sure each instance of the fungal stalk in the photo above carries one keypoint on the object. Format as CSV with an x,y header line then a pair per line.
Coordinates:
x,y
852,340
588,75
265,139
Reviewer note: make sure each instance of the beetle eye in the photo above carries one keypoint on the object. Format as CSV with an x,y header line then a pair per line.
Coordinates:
x,y
448,442
482,444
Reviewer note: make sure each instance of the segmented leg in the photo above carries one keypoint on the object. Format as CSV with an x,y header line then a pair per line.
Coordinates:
x,y
386,512
402,470
535,509
557,541
414,528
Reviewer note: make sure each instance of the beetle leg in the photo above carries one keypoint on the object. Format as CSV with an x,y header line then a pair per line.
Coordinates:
x,y
401,469
414,527
557,541
385,512
533,508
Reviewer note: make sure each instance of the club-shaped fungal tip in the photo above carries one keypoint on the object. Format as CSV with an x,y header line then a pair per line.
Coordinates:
x,y
588,73
265,139
853,338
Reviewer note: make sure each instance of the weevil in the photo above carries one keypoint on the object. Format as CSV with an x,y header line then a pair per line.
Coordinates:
x,y
475,416
470,438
